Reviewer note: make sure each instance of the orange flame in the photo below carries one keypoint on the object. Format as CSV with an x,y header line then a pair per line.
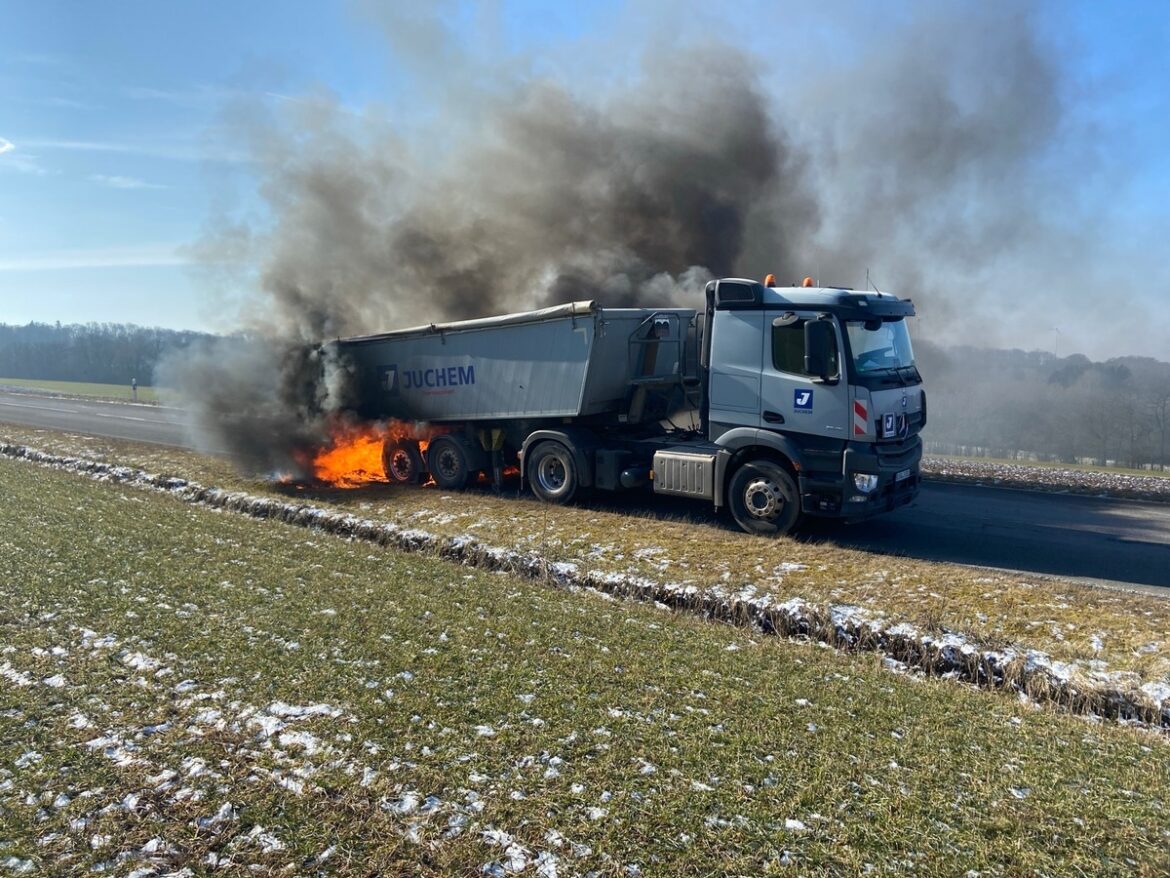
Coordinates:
x,y
353,455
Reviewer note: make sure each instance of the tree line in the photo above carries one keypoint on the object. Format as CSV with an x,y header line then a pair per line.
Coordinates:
x,y
1033,404
106,353
988,402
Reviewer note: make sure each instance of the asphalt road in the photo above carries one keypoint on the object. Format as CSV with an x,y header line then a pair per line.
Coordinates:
x,y
116,420
1113,541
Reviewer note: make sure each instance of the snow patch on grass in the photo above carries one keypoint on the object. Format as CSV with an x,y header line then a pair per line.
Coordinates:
x,y
1092,690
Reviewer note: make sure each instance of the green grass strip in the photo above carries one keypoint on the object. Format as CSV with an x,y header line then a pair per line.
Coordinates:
x,y
187,689
118,392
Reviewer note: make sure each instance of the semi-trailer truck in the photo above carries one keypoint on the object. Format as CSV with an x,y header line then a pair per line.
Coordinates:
x,y
776,403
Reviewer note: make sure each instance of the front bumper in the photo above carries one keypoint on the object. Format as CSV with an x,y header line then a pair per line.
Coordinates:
x,y
897,466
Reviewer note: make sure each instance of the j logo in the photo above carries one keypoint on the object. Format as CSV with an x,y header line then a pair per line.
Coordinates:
x,y
390,379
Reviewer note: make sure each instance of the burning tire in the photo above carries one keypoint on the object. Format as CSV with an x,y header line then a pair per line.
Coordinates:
x,y
764,498
447,461
402,461
552,472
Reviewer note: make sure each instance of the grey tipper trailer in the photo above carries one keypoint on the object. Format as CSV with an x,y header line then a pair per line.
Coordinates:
x,y
570,361
774,402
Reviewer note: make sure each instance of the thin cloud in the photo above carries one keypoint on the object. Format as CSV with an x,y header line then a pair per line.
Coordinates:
x,y
201,95
143,93
144,256
56,101
116,182
84,145
213,96
67,103
173,151
18,160
46,59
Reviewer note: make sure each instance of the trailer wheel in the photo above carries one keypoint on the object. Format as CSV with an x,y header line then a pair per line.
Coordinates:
x,y
447,462
764,499
402,461
552,472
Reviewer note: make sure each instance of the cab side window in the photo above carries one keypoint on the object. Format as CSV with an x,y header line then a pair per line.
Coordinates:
x,y
788,349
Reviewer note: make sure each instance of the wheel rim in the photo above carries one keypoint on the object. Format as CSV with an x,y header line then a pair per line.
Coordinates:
x,y
763,499
551,474
401,465
447,462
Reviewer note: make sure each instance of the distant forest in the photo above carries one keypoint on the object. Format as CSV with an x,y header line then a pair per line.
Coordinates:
x,y
982,402
106,353
1032,404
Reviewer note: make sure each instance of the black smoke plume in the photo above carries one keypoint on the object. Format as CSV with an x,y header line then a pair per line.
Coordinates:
x,y
918,157
637,199
554,198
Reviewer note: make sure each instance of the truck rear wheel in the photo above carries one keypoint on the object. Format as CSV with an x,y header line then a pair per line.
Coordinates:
x,y
402,461
447,462
552,472
764,499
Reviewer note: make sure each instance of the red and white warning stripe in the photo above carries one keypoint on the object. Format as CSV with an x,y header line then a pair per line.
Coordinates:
x,y
860,418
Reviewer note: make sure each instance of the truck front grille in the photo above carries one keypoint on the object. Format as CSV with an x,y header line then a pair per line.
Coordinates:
x,y
898,455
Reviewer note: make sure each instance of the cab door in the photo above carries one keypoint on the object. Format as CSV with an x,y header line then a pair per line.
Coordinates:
x,y
734,396
791,400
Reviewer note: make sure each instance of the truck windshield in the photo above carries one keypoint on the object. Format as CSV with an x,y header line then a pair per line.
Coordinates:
x,y
882,349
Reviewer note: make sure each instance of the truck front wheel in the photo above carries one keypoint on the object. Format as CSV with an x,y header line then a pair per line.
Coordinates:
x,y
764,499
552,472
402,461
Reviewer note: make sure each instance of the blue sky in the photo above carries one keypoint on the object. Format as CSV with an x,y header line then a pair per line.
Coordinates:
x,y
113,157
114,162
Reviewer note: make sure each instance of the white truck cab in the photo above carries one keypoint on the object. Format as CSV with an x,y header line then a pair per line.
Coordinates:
x,y
817,381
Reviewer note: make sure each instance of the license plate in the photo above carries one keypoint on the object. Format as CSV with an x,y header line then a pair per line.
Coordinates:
x,y
902,476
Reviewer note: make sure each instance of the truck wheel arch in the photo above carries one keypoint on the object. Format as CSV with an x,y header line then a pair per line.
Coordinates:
x,y
747,443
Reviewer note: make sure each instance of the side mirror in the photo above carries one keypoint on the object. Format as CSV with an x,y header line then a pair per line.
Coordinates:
x,y
819,344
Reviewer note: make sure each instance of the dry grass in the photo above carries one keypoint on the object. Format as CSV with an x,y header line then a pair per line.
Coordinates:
x,y
1112,482
149,651
1127,631
89,390
1051,465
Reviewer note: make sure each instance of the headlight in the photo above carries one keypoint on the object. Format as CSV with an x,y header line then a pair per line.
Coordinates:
x,y
864,482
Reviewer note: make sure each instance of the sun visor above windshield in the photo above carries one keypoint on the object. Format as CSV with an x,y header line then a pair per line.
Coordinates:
x,y
862,307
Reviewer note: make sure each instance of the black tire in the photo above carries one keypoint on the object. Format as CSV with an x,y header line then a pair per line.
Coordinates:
x,y
447,461
402,461
764,499
552,473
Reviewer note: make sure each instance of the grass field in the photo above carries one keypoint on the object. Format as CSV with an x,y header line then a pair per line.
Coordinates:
x,y
189,689
1043,464
119,392
1103,482
1088,627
